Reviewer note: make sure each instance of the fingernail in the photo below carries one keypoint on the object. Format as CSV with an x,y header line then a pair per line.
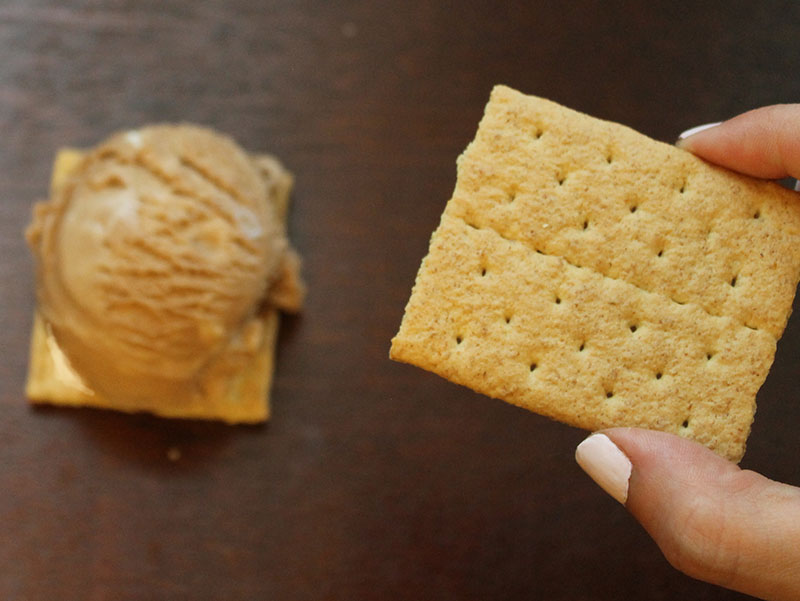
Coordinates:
x,y
695,130
605,464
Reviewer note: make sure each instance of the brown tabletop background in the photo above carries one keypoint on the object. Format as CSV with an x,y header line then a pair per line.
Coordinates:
x,y
374,480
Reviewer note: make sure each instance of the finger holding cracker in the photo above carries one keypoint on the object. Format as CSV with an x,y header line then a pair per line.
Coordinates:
x,y
764,142
711,519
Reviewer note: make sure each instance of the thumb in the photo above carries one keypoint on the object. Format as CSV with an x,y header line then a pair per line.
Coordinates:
x,y
712,520
764,142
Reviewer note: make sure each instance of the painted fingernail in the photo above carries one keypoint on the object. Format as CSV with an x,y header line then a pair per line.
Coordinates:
x,y
696,130
605,464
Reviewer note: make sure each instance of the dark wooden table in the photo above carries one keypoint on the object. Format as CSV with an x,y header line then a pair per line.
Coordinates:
x,y
374,480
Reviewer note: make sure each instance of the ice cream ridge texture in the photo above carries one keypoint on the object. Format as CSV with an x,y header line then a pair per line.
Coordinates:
x,y
162,261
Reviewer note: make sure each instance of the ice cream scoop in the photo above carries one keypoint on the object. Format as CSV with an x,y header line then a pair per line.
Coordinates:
x,y
156,258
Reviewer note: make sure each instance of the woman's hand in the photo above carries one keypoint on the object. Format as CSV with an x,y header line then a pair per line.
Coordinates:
x,y
712,520
763,143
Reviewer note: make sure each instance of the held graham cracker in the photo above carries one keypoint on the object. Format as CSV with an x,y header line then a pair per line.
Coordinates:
x,y
593,275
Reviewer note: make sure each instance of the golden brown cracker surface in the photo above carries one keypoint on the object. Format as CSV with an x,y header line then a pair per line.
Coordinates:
x,y
591,274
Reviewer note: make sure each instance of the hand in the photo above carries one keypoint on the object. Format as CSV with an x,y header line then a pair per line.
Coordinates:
x,y
762,143
712,520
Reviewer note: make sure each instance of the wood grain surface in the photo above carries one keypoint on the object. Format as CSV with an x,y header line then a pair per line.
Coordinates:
x,y
373,480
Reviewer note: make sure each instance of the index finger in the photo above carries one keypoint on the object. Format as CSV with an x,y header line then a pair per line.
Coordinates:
x,y
764,142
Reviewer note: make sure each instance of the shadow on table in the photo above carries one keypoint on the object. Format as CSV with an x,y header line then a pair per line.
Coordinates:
x,y
156,443
175,445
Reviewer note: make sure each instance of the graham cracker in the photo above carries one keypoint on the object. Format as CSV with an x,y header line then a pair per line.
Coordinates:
x,y
596,276
243,396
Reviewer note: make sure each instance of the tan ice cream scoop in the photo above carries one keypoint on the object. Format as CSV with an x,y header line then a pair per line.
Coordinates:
x,y
156,259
